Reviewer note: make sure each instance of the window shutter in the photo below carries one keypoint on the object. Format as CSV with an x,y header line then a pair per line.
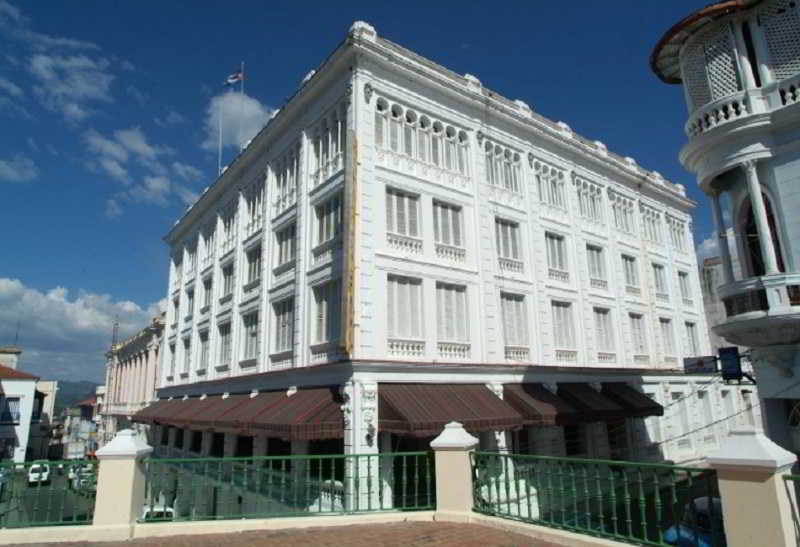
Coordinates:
x,y
409,136
391,307
435,143
445,228
402,305
413,227
422,150
514,233
461,313
456,223
440,313
320,297
437,210
400,210
415,328
389,211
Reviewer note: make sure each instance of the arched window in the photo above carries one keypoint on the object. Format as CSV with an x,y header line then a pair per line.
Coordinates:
x,y
751,243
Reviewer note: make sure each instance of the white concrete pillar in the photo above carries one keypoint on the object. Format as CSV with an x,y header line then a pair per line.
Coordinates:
x,y
762,52
386,471
744,61
452,450
757,502
760,212
121,480
722,236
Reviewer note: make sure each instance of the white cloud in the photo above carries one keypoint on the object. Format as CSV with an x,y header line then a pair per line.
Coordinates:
x,y
18,169
188,197
242,118
32,144
187,172
113,210
104,146
152,189
138,95
9,11
11,88
172,118
113,169
708,248
64,335
71,85
135,140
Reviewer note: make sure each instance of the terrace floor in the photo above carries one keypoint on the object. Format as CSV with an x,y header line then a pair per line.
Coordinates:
x,y
437,534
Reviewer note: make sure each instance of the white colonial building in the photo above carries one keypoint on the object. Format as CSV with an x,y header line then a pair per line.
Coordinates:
x,y
401,247
739,64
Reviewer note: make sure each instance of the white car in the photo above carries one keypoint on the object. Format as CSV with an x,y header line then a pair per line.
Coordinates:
x,y
39,473
158,511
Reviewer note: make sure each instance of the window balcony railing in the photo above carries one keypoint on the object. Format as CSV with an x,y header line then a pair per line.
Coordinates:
x,y
451,253
721,111
606,357
9,417
518,353
558,275
404,244
283,273
567,355
688,302
664,297
400,347
596,283
412,166
641,359
329,167
631,289
511,265
326,252
284,202
767,294
454,350
254,225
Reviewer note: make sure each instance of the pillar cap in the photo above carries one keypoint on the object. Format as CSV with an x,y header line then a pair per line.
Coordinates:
x,y
125,444
748,448
454,437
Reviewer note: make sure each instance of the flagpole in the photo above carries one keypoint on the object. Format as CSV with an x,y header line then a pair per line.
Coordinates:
x,y
219,139
241,106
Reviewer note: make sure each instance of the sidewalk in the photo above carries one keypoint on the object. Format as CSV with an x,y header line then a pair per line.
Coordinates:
x,y
439,534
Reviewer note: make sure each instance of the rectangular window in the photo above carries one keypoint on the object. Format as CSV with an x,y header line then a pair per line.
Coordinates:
x,y
254,265
563,326
404,307
252,341
217,445
327,298
191,258
451,312
287,246
638,334
603,329
631,271
225,346
506,235
329,220
189,302
9,410
196,445
692,345
227,280
203,350
172,357
165,435
284,325
556,251
575,441
660,280
208,287
447,227
515,321
550,183
667,336
682,411
402,213
590,200
187,355
597,266
176,308
683,281
179,438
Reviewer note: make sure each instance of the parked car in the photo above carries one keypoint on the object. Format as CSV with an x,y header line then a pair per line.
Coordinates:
x,y
701,525
158,511
39,473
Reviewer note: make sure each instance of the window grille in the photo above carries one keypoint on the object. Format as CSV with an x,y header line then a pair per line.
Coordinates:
x,y
721,61
327,299
227,280
404,307
556,251
507,239
631,271
638,333
597,267
287,245
667,336
284,325
402,213
515,321
329,220
603,329
225,345
563,327
692,346
693,74
254,265
252,340
204,347
447,226
781,23
187,355
451,308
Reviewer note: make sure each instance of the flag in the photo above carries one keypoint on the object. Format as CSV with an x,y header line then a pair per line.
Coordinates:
x,y
237,76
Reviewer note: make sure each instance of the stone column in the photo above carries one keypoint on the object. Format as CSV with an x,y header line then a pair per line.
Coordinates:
x,y
722,236
744,62
452,450
760,212
762,53
121,480
757,502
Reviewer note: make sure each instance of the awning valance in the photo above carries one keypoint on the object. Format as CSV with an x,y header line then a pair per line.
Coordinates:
x,y
634,401
422,410
540,406
156,411
593,405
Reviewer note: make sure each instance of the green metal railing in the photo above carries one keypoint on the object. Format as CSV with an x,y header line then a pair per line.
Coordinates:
x,y
257,487
626,501
47,493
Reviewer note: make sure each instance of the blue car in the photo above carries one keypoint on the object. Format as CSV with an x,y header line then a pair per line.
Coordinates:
x,y
701,525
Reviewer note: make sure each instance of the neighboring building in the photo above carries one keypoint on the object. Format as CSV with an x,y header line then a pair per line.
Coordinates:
x,y
401,247
132,372
20,406
739,64
41,434
80,438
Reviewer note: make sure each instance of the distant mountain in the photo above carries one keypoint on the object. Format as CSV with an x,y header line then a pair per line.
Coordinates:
x,y
70,393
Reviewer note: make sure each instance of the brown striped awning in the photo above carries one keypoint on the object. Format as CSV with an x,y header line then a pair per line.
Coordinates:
x,y
422,410
593,405
637,403
157,411
540,406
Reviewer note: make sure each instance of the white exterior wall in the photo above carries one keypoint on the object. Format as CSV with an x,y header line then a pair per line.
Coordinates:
x,y
24,389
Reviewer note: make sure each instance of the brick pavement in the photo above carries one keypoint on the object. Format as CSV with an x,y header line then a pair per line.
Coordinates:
x,y
412,534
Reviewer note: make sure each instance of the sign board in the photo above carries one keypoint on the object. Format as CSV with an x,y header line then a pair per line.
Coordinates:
x,y
700,365
730,363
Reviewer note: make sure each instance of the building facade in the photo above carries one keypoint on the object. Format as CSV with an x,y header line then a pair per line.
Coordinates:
x,y
738,65
132,374
20,407
400,247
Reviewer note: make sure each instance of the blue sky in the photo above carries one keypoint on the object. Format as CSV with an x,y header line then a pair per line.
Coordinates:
x,y
106,132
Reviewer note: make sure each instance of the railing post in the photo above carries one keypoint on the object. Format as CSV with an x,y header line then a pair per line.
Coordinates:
x,y
453,448
756,501
121,480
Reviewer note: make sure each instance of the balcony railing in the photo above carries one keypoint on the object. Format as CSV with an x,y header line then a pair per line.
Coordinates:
x,y
765,294
405,244
511,265
558,275
518,353
722,111
399,347
451,253
454,350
